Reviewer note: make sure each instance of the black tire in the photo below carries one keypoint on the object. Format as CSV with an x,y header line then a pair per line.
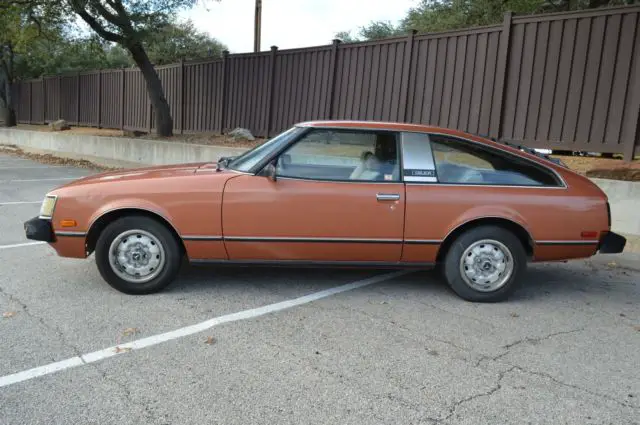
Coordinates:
x,y
453,270
167,271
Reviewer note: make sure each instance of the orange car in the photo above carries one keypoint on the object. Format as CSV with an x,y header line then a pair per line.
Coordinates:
x,y
337,193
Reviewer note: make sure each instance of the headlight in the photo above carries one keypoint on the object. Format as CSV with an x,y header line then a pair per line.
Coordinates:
x,y
48,205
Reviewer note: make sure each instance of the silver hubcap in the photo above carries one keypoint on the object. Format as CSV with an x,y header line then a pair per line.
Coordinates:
x,y
486,265
136,256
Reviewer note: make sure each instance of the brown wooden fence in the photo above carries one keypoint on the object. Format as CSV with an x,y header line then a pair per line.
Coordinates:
x,y
566,81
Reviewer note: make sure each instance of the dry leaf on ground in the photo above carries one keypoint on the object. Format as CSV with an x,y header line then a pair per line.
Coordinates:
x,y
122,349
8,314
210,340
130,331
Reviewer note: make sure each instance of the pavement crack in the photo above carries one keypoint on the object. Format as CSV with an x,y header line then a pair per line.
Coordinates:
x,y
542,338
143,404
411,332
576,387
444,310
61,337
454,407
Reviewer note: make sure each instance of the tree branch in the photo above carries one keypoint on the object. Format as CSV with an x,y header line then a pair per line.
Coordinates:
x,y
119,8
117,20
94,24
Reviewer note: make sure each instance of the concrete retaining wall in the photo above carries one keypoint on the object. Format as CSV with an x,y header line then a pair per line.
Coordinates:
x,y
624,197
145,152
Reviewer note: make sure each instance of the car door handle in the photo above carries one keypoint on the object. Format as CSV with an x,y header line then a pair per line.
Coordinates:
x,y
387,196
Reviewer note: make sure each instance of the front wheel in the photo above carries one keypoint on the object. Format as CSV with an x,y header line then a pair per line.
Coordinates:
x,y
138,255
484,264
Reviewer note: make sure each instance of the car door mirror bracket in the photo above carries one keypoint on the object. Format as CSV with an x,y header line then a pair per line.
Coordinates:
x,y
270,170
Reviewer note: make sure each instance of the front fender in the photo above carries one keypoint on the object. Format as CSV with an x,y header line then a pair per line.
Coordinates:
x,y
134,204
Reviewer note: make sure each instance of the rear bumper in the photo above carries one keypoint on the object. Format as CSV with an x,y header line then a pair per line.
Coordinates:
x,y
38,229
612,243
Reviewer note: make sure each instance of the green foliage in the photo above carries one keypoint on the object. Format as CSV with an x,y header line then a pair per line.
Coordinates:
x,y
173,42
380,29
128,21
443,15
374,31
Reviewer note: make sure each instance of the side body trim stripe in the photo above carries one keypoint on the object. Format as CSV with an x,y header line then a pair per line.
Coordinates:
x,y
575,242
71,234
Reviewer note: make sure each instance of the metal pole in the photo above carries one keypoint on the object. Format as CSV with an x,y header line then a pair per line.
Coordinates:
x,y
257,26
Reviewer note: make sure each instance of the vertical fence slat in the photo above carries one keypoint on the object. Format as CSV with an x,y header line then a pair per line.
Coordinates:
x,y
272,78
404,86
333,63
501,76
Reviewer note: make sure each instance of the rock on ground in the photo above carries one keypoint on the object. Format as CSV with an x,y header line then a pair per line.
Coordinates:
x,y
59,125
242,133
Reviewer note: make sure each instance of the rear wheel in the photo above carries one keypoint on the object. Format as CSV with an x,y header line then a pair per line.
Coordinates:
x,y
484,264
138,255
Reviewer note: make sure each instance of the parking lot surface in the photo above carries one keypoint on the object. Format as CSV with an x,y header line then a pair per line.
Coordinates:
x,y
390,349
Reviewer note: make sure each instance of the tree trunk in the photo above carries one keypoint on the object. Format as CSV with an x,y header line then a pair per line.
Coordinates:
x,y
8,113
9,117
164,122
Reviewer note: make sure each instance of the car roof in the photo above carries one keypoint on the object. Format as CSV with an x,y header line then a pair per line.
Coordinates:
x,y
383,125
395,126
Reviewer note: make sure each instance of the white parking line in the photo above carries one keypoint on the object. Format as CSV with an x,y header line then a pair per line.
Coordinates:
x,y
20,203
19,245
188,330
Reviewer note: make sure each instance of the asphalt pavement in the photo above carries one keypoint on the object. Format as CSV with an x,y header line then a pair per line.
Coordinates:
x,y
273,346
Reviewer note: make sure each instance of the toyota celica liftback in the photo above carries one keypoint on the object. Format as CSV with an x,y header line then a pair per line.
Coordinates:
x,y
332,193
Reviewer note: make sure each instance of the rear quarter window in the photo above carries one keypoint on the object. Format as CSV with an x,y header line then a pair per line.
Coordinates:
x,y
459,161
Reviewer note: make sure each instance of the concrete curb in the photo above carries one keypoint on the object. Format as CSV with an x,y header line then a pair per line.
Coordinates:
x,y
624,196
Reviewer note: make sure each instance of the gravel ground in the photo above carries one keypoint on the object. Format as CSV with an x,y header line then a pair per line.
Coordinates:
x,y
404,350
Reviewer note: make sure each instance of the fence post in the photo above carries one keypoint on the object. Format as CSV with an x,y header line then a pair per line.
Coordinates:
x,y
44,100
149,116
99,98
501,77
405,84
332,78
223,88
30,102
78,99
149,107
270,96
181,108
632,144
122,100
59,97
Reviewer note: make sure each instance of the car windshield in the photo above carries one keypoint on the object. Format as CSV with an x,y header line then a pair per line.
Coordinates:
x,y
249,159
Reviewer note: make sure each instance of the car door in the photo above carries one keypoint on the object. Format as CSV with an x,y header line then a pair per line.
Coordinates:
x,y
337,196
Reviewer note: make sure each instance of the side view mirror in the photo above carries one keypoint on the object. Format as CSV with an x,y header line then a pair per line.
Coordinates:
x,y
270,170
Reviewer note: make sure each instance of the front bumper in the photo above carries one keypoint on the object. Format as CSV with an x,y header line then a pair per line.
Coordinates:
x,y
39,229
612,243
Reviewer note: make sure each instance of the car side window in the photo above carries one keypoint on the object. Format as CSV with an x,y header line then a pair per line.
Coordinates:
x,y
342,155
462,162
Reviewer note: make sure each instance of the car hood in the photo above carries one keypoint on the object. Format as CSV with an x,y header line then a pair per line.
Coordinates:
x,y
144,173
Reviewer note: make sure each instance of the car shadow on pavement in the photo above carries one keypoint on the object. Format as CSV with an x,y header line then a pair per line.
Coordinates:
x,y
560,280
